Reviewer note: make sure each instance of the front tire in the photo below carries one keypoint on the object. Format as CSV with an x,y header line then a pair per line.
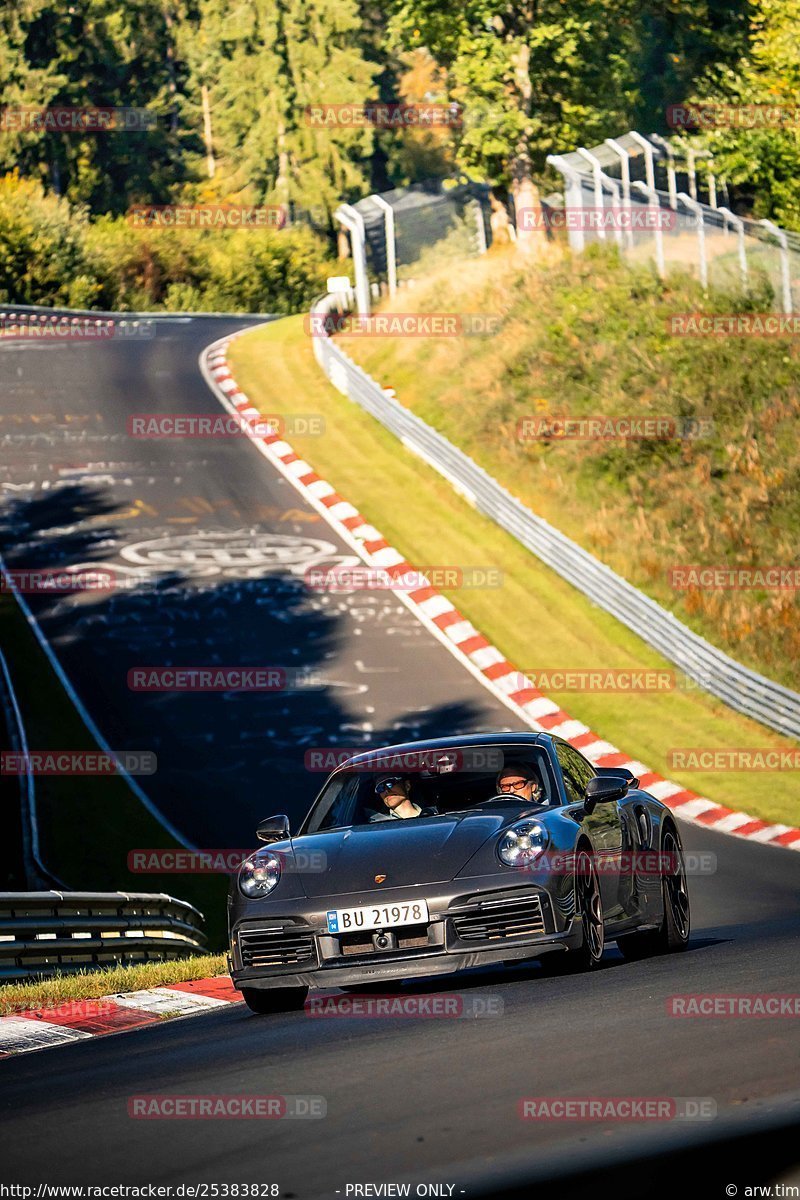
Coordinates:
x,y
274,1000
589,906
672,935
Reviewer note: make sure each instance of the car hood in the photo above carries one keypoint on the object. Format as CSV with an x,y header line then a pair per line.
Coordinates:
x,y
417,851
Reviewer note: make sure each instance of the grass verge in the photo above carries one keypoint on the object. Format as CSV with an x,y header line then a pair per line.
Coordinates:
x,y
535,618
91,985
597,337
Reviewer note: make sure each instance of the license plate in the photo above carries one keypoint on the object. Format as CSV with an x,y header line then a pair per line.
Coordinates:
x,y
376,916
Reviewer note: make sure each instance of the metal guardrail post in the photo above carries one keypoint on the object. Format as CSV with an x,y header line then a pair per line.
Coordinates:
x,y
391,243
695,207
652,196
738,225
786,278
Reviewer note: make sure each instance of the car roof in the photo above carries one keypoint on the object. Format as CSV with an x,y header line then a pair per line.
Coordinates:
x,y
523,740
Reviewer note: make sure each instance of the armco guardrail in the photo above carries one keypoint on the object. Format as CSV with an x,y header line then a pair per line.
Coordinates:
x,y
744,690
46,932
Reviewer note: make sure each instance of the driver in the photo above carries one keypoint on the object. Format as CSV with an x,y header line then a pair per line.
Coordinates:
x,y
521,782
395,792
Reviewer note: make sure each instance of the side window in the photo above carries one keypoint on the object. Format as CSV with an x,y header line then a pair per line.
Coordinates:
x,y
576,770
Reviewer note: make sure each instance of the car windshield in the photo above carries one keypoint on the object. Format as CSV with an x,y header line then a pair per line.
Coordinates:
x,y
461,782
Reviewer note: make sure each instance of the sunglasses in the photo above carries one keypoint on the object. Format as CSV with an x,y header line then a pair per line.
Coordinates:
x,y
514,785
387,785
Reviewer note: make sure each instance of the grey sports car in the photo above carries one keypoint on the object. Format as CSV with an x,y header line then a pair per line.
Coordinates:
x,y
431,857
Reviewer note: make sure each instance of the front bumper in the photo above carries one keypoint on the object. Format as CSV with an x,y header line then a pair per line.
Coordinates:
x,y
288,944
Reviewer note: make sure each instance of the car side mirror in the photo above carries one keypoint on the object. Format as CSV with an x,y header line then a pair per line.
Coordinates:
x,y
608,772
604,789
273,829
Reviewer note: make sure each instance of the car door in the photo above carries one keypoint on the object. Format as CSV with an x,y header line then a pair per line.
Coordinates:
x,y
603,826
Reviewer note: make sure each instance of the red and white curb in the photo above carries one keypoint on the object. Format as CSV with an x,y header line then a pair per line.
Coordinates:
x,y
76,1020
453,630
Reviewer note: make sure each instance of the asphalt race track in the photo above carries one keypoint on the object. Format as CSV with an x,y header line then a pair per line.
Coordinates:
x,y
434,1100
211,546
428,1100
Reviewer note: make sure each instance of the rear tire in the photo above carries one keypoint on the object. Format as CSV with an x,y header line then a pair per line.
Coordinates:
x,y
274,1000
672,935
589,905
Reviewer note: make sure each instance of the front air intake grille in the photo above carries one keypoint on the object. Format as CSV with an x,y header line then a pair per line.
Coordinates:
x,y
500,920
281,946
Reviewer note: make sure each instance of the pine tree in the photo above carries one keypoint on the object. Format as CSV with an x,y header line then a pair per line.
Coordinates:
x,y
265,64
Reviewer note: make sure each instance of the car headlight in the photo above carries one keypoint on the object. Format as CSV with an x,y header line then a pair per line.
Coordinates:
x,y
522,844
259,875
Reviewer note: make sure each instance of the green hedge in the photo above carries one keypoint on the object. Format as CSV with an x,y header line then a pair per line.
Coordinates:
x,y
51,253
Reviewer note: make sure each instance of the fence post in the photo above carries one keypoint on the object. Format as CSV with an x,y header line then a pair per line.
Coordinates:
x,y
479,225
597,171
696,208
738,225
652,196
354,224
625,172
650,173
391,245
786,278
671,183
712,185
573,190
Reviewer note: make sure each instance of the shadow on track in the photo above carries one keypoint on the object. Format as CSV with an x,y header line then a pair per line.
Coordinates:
x,y
225,759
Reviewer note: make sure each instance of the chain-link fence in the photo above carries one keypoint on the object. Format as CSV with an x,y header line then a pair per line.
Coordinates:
x,y
398,234
661,200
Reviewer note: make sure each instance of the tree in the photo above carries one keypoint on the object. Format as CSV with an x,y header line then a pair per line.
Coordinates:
x,y
267,64
94,54
762,148
545,76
